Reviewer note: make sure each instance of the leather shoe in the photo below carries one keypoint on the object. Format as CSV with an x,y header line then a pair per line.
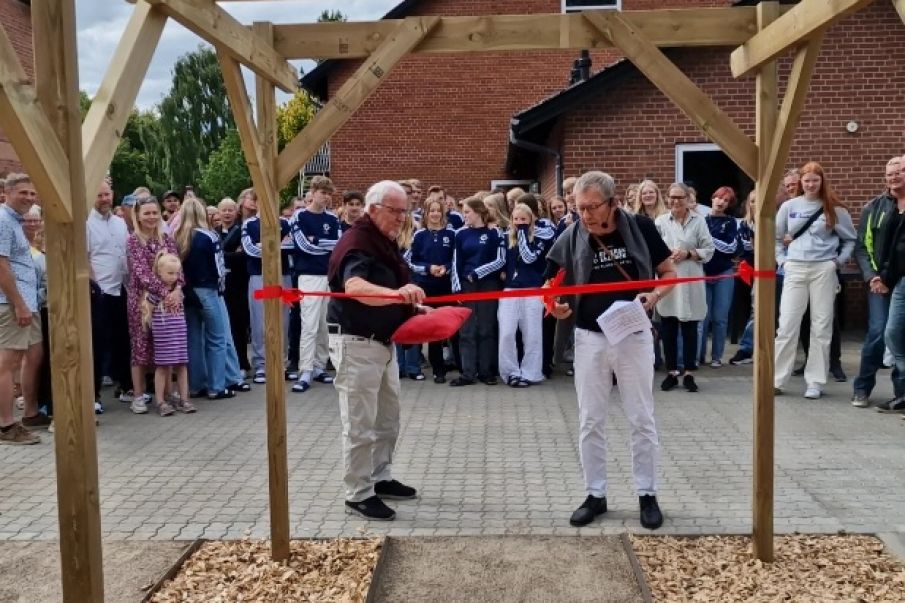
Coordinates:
x,y
371,508
589,509
651,517
669,382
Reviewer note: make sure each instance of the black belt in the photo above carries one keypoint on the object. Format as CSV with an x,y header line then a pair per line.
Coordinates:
x,y
336,329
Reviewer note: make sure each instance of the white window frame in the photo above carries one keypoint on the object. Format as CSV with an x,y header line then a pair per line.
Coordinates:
x,y
682,148
523,184
612,5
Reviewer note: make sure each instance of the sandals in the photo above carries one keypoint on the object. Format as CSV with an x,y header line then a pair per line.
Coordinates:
x,y
164,409
514,381
184,406
242,386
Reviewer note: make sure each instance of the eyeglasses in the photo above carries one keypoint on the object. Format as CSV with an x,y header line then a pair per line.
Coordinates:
x,y
396,211
585,209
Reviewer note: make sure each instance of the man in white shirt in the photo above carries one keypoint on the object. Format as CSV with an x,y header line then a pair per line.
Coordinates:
x,y
106,242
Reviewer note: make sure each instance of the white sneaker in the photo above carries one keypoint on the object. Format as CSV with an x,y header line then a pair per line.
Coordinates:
x,y
126,396
716,364
812,393
20,403
140,405
106,381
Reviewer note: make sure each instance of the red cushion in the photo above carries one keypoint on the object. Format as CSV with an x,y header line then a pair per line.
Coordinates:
x,y
438,325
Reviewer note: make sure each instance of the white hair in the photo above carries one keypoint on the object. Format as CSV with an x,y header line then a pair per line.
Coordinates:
x,y
381,190
601,182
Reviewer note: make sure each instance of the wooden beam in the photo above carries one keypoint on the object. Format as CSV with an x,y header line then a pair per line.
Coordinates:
x,y
900,8
56,71
767,106
31,134
218,27
103,126
678,88
353,93
673,27
801,23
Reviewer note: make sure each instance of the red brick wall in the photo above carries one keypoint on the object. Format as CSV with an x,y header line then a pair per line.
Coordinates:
x,y
15,18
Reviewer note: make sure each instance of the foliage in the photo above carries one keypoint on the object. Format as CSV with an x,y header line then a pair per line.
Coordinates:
x,y
331,15
226,172
292,118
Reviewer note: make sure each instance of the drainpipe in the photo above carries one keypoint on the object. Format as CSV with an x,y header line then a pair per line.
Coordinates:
x,y
539,148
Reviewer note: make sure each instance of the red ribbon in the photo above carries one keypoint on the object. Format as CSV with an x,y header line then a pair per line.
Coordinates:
x,y
745,272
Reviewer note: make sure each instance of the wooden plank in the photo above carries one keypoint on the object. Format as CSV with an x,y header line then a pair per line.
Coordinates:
x,y
801,23
103,126
767,106
900,8
678,88
673,28
218,27
273,319
56,71
351,96
31,134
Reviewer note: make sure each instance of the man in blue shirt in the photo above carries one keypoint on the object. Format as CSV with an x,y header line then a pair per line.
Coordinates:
x,y
20,322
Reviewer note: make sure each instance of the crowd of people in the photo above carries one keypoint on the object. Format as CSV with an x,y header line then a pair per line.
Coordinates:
x,y
175,317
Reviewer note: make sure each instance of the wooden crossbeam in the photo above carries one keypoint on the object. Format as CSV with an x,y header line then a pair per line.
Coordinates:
x,y
673,28
103,126
900,8
69,313
678,88
32,135
802,22
219,28
353,93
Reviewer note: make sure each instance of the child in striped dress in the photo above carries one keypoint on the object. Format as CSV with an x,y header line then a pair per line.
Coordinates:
x,y
170,338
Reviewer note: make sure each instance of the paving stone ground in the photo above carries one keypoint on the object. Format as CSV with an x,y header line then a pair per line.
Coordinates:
x,y
487,460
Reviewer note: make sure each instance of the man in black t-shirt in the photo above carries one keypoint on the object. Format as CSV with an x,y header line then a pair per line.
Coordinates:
x,y
367,261
608,245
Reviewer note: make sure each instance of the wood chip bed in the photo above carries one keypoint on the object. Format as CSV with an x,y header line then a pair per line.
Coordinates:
x,y
331,570
807,568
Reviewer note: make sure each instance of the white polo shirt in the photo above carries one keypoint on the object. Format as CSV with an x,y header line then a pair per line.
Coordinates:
x,y
107,251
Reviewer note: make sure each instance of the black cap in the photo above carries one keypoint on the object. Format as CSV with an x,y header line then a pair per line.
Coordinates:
x,y
176,194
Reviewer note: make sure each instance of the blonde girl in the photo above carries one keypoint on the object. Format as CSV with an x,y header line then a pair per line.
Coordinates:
x,y
649,201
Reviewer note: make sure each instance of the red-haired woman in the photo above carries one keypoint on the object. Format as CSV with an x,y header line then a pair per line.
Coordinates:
x,y
820,237
724,231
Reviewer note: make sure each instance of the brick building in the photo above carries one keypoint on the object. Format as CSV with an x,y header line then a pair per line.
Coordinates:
x,y
15,18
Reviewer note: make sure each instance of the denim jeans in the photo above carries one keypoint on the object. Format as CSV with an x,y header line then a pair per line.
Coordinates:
x,y
719,301
207,330
895,336
746,343
874,344
409,359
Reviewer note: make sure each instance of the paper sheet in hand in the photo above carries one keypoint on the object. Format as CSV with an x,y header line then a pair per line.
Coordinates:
x,y
622,319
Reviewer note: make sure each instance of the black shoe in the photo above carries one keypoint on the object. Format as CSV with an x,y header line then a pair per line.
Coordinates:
x,y
227,393
201,393
371,508
670,382
241,386
395,490
741,357
439,378
291,375
689,384
651,517
489,380
838,374
460,381
589,509
799,371
894,406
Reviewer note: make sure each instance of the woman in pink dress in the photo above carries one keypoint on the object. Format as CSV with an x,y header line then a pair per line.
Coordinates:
x,y
142,247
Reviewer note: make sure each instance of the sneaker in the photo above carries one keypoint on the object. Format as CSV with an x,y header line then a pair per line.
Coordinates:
x,y
106,381
300,387
164,409
184,406
418,377
394,490
223,395
812,392
139,406
689,384
651,517
461,381
439,379
859,400
98,407
126,396
838,374
894,406
588,511
241,386
669,382
371,508
39,421
741,357
291,375
324,377
260,377
715,364
17,435
799,371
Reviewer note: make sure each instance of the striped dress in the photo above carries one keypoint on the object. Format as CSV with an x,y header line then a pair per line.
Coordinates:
x,y
170,336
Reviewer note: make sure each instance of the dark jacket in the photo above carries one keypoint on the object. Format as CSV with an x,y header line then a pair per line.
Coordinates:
x,y
871,241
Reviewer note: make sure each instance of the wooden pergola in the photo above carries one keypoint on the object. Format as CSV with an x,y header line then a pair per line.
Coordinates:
x,y
67,160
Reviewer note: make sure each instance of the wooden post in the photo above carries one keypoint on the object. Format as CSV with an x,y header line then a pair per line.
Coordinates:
x,y
56,71
767,104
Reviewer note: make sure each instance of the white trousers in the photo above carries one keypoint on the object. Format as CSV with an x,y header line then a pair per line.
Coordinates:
x,y
313,348
632,361
805,282
367,381
527,315
256,320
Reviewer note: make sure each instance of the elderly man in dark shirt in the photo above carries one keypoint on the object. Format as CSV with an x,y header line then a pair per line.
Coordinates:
x,y
367,262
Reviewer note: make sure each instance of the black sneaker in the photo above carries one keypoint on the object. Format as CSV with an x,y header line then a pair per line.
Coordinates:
x,y
741,357
894,406
689,384
651,517
371,508
838,374
799,371
589,509
394,490
461,381
670,382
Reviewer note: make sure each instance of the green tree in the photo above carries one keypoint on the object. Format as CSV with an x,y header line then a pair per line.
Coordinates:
x,y
226,172
194,117
331,15
292,117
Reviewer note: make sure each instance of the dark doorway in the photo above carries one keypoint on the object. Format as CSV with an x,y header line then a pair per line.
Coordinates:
x,y
707,169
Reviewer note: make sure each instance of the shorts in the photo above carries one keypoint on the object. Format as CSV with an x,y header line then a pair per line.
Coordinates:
x,y
14,337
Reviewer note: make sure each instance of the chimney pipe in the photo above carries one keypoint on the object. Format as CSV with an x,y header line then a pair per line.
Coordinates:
x,y
584,65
